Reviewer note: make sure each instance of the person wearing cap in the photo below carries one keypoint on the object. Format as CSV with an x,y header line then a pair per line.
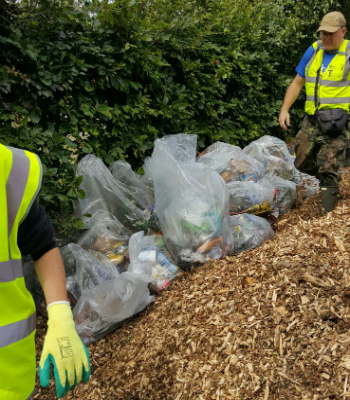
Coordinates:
x,y
323,136
26,229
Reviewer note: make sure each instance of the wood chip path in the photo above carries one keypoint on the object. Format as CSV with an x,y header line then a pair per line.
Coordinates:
x,y
272,323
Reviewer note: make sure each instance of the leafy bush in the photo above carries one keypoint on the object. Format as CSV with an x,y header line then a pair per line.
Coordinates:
x,y
109,78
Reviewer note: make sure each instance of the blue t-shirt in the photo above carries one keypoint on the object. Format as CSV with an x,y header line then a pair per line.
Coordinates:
x,y
327,58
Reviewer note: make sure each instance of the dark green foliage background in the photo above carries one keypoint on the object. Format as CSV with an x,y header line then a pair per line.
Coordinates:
x,y
109,77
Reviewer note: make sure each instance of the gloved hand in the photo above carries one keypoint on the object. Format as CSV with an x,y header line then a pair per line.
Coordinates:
x,y
65,349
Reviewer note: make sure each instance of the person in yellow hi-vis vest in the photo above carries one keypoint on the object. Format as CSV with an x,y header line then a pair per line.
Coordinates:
x,y
26,229
321,142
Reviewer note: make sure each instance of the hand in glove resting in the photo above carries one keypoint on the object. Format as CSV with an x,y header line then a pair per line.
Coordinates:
x,y
65,349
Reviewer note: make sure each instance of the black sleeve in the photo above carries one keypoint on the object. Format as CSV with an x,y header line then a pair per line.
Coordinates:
x,y
35,234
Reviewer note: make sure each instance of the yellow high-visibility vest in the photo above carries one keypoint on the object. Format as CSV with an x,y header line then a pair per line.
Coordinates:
x,y
333,90
20,181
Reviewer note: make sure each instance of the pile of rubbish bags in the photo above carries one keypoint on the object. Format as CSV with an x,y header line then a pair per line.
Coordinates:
x,y
141,232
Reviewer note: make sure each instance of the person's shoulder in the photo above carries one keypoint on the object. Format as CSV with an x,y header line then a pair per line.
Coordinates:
x,y
316,45
311,50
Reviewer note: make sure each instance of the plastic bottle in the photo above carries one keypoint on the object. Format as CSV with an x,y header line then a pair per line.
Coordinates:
x,y
164,261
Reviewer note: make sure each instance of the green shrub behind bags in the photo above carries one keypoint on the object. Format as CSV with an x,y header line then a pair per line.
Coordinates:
x,y
109,77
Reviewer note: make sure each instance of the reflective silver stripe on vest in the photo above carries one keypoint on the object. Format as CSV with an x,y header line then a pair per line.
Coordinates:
x,y
347,65
17,331
15,188
36,192
335,83
328,83
310,79
334,100
308,65
16,184
330,100
10,270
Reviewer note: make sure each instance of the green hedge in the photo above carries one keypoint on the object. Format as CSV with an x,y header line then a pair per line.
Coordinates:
x,y
109,78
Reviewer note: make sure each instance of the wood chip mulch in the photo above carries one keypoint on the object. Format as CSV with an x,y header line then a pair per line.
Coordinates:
x,y
272,323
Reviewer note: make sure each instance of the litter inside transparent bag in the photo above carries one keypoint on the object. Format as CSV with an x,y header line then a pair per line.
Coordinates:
x,y
249,231
232,163
309,184
192,206
273,153
90,271
247,194
286,192
149,254
105,233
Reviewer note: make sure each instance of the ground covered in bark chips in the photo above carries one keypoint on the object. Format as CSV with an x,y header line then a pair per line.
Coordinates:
x,y
269,323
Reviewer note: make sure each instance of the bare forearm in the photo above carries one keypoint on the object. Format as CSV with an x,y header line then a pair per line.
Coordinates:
x,y
292,93
51,273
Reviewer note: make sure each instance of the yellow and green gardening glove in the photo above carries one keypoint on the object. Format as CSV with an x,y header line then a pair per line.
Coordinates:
x,y
64,348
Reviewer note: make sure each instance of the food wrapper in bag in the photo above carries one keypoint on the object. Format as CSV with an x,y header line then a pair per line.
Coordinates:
x,y
232,163
192,207
249,231
244,195
149,254
273,154
105,233
286,192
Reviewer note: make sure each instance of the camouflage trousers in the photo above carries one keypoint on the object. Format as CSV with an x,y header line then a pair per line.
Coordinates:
x,y
320,155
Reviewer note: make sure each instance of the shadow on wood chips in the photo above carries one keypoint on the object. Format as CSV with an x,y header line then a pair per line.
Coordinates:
x,y
272,323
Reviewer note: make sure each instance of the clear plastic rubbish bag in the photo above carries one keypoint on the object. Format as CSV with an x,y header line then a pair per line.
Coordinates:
x,y
149,254
103,191
244,195
147,178
103,308
105,233
90,271
286,192
309,184
249,231
232,163
182,147
192,206
107,219
122,172
212,147
273,154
